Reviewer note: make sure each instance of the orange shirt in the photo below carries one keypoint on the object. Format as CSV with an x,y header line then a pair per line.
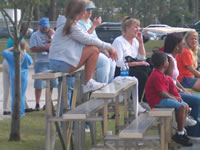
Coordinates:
x,y
183,60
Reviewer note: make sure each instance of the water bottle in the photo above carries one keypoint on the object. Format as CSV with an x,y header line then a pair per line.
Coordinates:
x,y
124,70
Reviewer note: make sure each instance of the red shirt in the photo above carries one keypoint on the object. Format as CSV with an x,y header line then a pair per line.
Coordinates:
x,y
183,60
157,82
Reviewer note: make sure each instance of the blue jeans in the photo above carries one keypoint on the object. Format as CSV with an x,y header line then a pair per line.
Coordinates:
x,y
70,84
193,100
188,82
105,69
170,103
42,67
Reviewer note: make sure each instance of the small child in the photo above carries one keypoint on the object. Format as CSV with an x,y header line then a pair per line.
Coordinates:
x,y
161,93
26,61
50,34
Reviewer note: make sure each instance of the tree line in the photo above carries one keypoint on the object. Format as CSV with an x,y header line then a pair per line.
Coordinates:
x,y
171,12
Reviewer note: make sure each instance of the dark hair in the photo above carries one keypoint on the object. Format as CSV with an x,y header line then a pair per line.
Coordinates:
x,y
73,9
158,59
171,41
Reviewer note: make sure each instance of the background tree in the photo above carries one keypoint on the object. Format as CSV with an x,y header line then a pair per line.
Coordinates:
x,y
52,10
26,14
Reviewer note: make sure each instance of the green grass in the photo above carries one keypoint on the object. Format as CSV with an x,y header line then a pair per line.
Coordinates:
x,y
33,133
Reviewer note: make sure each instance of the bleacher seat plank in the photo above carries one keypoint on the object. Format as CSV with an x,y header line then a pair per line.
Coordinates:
x,y
161,112
83,111
50,74
113,89
138,127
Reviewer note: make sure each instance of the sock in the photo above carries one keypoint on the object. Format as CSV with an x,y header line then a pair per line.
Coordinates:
x,y
180,132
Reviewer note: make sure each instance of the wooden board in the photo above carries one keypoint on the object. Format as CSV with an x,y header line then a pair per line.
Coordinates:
x,y
138,127
161,112
113,89
83,111
51,75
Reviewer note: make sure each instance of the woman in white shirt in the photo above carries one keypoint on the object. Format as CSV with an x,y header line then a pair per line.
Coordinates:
x,y
130,44
72,47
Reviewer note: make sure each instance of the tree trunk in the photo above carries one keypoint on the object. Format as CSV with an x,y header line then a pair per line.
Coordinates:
x,y
15,124
52,10
36,13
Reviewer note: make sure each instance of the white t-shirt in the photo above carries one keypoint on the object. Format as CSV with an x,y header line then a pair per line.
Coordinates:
x,y
124,49
175,72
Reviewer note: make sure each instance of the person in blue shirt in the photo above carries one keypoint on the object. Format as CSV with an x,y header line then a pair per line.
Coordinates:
x,y
26,61
6,79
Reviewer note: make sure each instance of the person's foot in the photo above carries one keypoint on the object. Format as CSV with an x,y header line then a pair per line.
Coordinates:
x,y
182,139
29,109
44,107
6,112
87,129
37,107
92,85
190,121
141,109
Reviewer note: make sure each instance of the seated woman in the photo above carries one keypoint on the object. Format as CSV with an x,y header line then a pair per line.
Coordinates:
x,y
187,63
130,48
72,47
105,67
172,47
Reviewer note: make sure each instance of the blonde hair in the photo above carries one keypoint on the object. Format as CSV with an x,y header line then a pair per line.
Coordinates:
x,y
73,9
127,22
50,31
193,51
90,3
23,45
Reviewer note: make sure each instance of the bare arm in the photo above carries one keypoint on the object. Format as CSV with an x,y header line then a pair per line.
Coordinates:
x,y
139,63
141,44
193,71
40,48
168,95
96,22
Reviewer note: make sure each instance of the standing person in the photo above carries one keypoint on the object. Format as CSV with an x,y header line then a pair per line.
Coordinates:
x,y
82,48
40,47
26,61
105,67
161,92
130,49
187,62
173,46
6,78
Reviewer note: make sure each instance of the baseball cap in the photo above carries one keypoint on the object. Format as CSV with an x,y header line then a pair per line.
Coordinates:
x,y
44,22
90,6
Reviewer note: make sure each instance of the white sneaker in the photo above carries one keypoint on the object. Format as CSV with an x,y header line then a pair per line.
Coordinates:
x,y
87,130
190,121
145,106
92,85
140,108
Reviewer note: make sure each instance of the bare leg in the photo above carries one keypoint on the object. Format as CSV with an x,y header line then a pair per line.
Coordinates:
x,y
38,93
196,86
180,117
89,58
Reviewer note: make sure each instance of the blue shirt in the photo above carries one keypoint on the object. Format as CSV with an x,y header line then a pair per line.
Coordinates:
x,y
38,39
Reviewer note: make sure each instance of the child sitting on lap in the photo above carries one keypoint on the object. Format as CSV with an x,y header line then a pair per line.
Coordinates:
x,y
161,93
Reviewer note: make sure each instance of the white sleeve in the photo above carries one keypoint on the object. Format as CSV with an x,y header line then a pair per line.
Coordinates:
x,y
83,37
117,44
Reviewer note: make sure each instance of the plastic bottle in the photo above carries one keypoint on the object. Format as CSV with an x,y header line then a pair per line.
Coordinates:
x,y
124,70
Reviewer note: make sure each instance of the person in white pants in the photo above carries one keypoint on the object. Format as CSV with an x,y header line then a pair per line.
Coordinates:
x,y
6,88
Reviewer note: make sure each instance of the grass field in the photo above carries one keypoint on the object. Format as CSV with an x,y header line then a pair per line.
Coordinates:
x,y
33,133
